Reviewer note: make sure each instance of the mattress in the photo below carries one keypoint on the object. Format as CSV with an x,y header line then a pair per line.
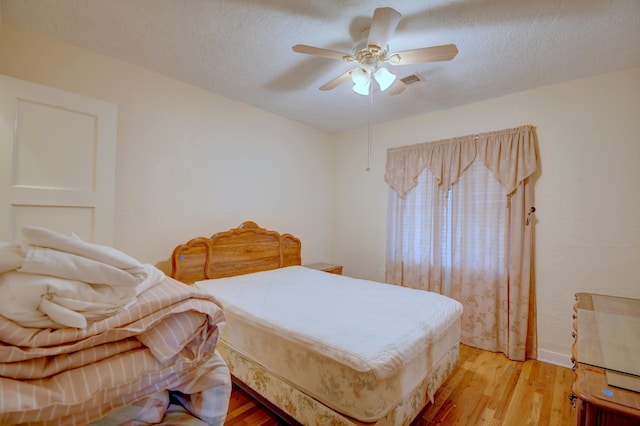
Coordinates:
x,y
359,347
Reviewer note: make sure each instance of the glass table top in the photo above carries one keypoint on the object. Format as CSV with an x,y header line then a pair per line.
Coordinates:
x,y
609,333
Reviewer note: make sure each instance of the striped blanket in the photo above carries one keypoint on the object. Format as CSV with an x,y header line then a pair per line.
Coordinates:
x,y
165,342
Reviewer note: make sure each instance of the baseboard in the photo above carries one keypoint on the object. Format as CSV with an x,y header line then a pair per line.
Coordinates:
x,y
563,360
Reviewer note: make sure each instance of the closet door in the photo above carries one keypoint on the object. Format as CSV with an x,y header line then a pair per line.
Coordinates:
x,y
57,162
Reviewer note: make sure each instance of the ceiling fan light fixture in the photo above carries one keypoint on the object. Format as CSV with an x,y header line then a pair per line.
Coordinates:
x,y
362,88
360,76
384,78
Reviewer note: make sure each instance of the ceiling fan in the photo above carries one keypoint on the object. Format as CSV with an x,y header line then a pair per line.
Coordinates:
x,y
371,53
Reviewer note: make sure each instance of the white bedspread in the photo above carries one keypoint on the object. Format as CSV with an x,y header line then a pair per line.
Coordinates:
x,y
393,325
58,280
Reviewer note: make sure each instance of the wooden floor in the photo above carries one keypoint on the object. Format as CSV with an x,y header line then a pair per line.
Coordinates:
x,y
486,389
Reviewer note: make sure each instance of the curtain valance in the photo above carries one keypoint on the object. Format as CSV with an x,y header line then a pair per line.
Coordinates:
x,y
510,154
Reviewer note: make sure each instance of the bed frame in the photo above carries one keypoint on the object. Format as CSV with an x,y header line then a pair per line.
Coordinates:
x,y
250,248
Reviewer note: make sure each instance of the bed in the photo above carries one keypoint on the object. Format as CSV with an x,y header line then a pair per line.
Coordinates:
x,y
88,335
315,347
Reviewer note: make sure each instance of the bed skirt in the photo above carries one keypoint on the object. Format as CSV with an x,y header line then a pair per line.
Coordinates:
x,y
310,412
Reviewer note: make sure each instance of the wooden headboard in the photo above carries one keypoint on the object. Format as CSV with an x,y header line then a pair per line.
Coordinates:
x,y
242,250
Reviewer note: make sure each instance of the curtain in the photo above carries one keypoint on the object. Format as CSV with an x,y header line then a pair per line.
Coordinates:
x,y
457,225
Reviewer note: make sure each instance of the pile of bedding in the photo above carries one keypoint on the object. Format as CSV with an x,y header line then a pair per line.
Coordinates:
x,y
88,334
54,280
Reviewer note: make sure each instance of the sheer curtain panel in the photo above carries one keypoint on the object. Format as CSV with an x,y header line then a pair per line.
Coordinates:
x,y
457,225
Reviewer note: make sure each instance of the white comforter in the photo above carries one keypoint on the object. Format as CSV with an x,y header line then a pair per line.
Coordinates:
x,y
55,280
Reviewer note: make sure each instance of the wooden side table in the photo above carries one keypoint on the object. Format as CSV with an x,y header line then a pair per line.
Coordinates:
x,y
326,267
595,324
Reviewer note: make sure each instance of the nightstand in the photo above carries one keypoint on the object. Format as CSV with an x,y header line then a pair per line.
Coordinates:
x,y
326,267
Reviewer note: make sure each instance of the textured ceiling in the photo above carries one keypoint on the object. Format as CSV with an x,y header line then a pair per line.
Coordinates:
x,y
241,49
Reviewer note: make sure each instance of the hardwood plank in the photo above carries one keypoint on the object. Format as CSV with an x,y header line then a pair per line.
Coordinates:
x,y
486,389
246,411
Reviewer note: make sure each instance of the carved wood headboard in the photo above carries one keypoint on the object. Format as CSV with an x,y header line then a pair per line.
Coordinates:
x,y
242,250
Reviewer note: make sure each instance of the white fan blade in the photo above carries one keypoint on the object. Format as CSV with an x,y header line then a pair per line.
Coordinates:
x,y
310,50
427,54
384,23
336,81
396,88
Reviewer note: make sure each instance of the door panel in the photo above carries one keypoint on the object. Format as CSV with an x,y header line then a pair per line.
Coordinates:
x,y
57,162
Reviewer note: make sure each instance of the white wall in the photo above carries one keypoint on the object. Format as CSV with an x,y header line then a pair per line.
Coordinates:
x,y
189,163
587,191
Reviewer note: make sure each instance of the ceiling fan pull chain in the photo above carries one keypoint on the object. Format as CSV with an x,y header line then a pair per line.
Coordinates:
x,y
369,144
